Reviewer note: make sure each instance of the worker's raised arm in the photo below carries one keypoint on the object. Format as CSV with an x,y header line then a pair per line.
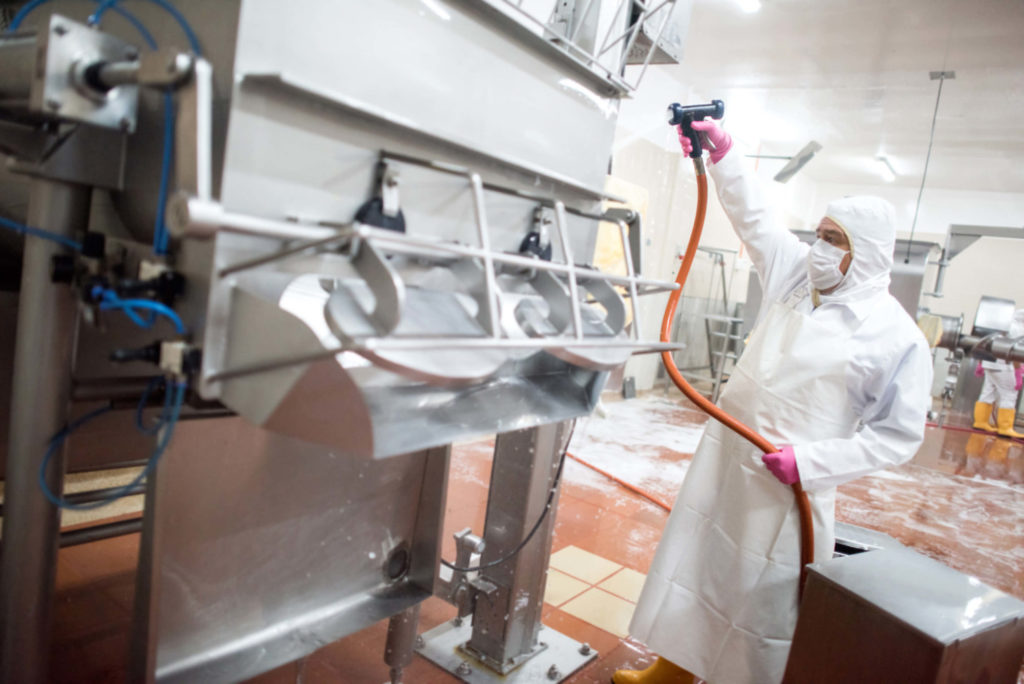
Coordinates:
x,y
775,251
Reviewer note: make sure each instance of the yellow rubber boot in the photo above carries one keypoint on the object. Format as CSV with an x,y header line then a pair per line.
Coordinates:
x,y
982,415
1004,419
661,672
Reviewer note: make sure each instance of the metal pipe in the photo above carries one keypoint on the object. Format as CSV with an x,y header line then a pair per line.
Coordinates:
x,y
99,532
1003,348
39,402
96,494
201,219
18,55
375,344
401,642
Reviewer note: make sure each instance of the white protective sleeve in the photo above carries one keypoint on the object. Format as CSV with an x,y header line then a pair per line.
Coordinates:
x,y
892,423
778,255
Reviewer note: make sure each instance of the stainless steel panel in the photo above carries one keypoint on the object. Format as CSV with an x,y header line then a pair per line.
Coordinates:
x,y
437,65
268,547
994,315
934,599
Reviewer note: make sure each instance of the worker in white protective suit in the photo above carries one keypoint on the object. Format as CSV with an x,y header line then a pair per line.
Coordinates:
x,y
836,370
1002,384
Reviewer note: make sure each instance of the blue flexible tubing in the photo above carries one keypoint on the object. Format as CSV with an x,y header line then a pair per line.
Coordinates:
x,y
140,422
161,235
105,5
186,28
111,302
170,421
40,233
131,18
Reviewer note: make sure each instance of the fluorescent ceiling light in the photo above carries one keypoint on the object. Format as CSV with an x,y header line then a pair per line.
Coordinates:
x,y
885,169
749,6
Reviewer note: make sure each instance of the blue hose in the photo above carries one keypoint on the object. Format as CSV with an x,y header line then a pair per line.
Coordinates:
x,y
140,422
110,301
170,420
40,233
131,18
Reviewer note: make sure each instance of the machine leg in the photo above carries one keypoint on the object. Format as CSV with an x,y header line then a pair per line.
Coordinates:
x,y
39,401
506,642
506,625
401,642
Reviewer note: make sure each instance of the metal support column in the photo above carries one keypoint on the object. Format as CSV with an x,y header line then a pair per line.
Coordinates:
x,y
507,622
398,650
506,642
39,401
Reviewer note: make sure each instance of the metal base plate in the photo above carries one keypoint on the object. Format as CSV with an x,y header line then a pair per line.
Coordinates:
x,y
562,657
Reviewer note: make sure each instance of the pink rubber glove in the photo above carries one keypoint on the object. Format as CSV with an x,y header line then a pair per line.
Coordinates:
x,y
716,135
979,372
1019,374
782,463
684,142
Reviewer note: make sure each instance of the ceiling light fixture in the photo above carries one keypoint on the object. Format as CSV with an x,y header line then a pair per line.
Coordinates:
x,y
885,168
749,6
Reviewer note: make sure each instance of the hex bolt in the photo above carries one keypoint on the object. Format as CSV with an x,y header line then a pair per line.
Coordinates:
x,y
131,53
60,29
463,670
457,622
585,648
554,674
420,643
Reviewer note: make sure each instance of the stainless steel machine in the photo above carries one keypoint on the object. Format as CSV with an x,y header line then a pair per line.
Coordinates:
x,y
987,340
321,240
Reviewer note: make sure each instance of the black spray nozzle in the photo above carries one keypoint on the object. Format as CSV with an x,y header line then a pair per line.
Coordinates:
x,y
678,115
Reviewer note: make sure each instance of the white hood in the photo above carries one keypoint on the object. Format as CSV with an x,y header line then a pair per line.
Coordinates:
x,y
870,224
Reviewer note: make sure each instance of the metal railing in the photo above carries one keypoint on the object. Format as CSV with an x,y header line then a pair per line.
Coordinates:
x,y
203,218
591,58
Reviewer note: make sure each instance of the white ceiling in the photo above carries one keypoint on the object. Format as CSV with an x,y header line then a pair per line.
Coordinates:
x,y
853,75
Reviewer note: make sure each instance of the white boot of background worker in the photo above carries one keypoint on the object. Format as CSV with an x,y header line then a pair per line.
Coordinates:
x,y
1002,384
835,368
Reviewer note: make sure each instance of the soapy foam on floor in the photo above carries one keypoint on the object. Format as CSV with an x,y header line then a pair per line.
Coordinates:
x,y
638,442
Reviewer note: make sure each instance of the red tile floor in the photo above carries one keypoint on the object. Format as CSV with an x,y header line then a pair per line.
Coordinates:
x,y
961,501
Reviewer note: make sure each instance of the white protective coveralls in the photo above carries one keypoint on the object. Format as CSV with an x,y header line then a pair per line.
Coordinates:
x,y
844,383
1000,386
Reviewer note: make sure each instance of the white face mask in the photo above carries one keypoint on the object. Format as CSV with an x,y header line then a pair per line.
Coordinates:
x,y
823,265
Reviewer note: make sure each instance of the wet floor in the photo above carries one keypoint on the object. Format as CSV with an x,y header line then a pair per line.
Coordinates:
x,y
960,501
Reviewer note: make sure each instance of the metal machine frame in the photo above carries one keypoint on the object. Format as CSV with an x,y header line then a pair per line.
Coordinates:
x,y
337,356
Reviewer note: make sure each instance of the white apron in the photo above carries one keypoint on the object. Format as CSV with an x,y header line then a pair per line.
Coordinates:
x,y
721,596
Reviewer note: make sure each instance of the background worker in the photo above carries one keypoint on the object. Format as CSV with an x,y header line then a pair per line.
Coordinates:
x,y
1002,384
835,369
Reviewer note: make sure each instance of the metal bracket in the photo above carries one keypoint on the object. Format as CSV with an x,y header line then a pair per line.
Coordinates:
x,y
85,155
389,190
385,284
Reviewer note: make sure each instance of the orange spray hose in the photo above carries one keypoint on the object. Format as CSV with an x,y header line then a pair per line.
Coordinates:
x,y
803,504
